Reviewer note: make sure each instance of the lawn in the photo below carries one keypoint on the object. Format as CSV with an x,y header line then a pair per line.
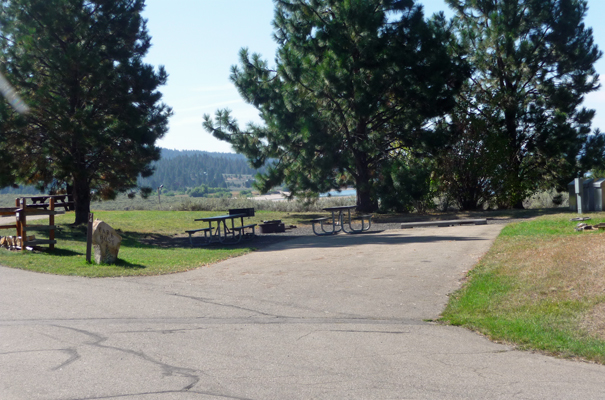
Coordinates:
x,y
542,287
148,245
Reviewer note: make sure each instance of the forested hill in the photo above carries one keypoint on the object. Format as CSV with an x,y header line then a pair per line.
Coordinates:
x,y
168,153
180,169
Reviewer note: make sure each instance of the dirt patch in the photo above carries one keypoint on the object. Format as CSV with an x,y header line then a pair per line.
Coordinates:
x,y
594,322
562,268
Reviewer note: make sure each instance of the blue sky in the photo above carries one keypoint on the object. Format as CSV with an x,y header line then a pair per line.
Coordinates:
x,y
199,40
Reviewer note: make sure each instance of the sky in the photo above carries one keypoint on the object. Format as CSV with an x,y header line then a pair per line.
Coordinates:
x,y
199,40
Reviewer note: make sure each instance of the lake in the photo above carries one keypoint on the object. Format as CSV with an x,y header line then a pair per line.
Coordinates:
x,y
343,193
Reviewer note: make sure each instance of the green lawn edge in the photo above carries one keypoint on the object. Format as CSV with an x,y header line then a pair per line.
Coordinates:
x,y
552,327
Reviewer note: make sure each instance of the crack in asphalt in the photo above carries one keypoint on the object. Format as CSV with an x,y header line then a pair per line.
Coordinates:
x,y
168,370
73,357
72,352
208,301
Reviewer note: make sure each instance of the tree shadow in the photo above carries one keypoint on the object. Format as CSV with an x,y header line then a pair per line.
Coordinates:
x,y
365,239
59,252
488,214
128,265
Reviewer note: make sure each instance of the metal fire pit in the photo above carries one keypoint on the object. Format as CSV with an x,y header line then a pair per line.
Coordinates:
x,y
272,227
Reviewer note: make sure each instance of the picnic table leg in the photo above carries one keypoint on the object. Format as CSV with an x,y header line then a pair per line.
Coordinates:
x,y
208,234
335,224
363,226
322,228
342,222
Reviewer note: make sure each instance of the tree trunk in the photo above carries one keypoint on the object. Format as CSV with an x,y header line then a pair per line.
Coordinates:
x,y
515,180
365,203
519,205
81,195
366,200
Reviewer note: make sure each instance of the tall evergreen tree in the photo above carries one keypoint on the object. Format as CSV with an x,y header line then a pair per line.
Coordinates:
x,y
533,63
354,82
95,111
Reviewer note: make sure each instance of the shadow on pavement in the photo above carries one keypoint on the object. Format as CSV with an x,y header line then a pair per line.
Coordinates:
x,y
373,238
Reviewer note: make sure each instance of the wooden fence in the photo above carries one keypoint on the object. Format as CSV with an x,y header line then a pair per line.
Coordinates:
x,y
39,206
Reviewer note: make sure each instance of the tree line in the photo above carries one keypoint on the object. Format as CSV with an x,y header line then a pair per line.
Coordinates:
x,y
485,109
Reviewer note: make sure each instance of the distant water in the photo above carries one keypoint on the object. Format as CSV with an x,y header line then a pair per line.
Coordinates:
x,y
342,193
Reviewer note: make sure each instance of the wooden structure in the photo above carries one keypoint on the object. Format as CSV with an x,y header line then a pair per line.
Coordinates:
x,y
22,210
226,234
61,201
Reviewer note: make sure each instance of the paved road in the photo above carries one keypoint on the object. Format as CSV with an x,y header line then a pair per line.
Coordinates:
x,y
312,318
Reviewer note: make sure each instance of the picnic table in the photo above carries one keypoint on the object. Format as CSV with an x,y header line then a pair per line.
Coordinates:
x,y
339,221
220,231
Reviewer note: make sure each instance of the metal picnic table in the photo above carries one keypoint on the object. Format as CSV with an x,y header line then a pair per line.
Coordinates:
x,y
339,221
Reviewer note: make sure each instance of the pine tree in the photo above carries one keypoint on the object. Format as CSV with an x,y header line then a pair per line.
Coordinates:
x,y
95,112
533,63
354,82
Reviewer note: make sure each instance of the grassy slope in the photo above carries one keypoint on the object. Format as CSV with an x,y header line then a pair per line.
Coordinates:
x,y
541,286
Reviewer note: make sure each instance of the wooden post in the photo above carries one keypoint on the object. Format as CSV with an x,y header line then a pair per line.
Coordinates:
x,y
23,220
89,238
51,222
17,217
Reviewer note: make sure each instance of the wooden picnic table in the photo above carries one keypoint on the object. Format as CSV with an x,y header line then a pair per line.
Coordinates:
x,y
339,221
221,232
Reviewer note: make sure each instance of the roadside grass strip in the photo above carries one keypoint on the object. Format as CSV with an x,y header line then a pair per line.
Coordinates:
x,y
541,287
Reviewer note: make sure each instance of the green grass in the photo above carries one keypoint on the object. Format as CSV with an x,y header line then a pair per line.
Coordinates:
x,y
135,257
147,247
551,225
525,290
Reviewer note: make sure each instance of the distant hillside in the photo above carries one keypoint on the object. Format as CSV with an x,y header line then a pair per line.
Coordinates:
x,y
168,154
20,190
182,169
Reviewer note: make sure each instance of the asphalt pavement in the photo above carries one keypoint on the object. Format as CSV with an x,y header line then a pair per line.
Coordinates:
x,y
339,317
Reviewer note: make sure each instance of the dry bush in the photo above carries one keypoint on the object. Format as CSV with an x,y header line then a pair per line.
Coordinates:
x,y
545,199
185,203
205,204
